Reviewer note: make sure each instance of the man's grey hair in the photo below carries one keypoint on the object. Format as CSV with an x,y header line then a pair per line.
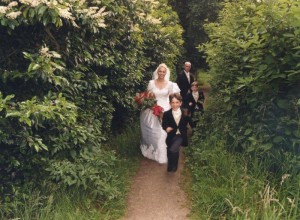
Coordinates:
x,y
188,63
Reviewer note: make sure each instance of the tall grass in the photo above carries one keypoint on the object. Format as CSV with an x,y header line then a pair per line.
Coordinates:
x,y
235,186
51,202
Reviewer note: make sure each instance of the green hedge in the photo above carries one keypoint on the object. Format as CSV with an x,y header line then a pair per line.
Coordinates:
x,y
67,68
253,55
252,117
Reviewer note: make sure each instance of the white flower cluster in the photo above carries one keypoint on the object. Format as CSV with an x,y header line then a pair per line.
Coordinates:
x,y
95,14
9,10
153,20
44,51
152,6
13,14
65,13
65,8
12,4
3,9
33,3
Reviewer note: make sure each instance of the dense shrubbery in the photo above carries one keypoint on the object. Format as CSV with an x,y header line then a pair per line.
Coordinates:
x,y
254,58
253,112
66,68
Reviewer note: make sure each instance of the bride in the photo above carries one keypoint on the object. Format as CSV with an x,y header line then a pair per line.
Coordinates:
x,y
153,137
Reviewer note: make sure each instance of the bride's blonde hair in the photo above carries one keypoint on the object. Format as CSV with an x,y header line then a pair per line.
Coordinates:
x,y
167,76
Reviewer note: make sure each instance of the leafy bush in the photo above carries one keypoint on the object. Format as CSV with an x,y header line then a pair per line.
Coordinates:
x,y
94,185
253,56
66,69
244,155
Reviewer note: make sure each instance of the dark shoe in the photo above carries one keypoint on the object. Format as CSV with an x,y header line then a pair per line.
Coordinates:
x,y
169,169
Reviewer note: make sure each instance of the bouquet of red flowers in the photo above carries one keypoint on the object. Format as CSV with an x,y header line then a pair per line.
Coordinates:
x,y
146,100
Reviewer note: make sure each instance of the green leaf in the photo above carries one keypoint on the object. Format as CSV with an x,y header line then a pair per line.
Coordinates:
x,y
277,139
4,22
13,114
262,67
73,154
267,146
31,13
42,9
33,67
283,103
227,98
25,12
248,131
297,133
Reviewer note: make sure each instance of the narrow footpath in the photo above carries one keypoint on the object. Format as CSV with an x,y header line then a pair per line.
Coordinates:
x,y
156,194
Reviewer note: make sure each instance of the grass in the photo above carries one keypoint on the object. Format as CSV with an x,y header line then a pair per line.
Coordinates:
x,y
224,186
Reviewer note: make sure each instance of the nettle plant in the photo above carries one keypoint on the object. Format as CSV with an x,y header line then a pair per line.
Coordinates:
x,y
65,67
253,55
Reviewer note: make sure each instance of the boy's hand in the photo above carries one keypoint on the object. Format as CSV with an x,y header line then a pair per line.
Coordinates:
x,y
169,129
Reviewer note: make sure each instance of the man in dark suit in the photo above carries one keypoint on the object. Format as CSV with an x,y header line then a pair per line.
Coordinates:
x,y
175,123
185,79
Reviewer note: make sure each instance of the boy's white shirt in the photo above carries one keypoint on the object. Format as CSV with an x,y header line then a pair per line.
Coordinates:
x,y
177,115
195,95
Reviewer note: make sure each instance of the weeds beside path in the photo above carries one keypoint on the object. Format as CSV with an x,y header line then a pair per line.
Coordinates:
x,y
156,194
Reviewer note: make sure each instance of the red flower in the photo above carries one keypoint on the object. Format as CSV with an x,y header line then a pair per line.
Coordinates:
x,y
157,110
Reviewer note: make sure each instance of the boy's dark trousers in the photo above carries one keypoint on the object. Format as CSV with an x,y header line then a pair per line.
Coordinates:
x,y
173,153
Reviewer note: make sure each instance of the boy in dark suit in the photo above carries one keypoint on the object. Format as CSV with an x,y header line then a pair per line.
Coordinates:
x,y
175,123
194,101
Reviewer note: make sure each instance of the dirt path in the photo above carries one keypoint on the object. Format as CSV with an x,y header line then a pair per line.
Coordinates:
x,y
156,194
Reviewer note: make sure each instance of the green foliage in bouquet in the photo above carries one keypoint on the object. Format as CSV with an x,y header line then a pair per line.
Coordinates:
x,y
144,100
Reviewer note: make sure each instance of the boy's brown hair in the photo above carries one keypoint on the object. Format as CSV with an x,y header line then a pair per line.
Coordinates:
x,y
176,96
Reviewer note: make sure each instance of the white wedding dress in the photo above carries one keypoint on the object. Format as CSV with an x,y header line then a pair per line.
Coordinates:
x,y
153,137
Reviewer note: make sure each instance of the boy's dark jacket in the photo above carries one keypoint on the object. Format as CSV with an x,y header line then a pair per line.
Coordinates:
x,y
189,98
169,121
